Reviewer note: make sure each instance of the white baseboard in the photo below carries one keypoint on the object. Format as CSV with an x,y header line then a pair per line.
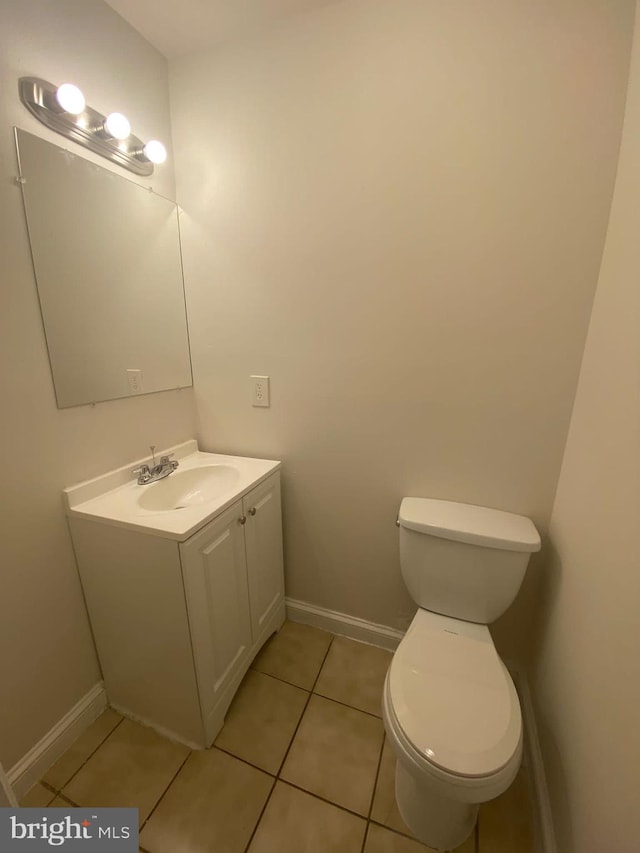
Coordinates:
x,y
545,835
46,752
7,794
343,625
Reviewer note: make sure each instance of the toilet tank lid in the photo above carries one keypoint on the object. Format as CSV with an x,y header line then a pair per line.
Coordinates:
x,y
477,525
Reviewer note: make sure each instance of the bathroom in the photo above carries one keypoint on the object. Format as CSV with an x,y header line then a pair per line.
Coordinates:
x,y
416,218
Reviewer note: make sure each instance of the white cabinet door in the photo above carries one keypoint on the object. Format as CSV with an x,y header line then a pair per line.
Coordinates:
x,y
215,578
263,534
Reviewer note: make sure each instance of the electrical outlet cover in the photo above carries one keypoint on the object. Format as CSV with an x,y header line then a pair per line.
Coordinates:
x,y
134,380
260,391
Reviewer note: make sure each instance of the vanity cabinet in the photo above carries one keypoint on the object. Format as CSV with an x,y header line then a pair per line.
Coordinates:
x,y
177,624
263,540
234,586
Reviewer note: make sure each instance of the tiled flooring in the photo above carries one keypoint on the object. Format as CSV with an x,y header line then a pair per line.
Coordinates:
x,y
301,766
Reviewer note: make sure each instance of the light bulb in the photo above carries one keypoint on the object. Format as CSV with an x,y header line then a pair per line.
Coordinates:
x,y
70,99
155,151
117,126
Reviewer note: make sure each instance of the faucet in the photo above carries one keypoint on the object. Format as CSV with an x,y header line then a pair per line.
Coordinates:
x,y
157,471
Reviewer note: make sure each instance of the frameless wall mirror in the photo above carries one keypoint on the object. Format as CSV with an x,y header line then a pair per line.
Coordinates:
x,y
106,255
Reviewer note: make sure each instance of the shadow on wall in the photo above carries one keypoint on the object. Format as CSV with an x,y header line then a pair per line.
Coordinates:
x,y
550,578
549,574
513,630
558,794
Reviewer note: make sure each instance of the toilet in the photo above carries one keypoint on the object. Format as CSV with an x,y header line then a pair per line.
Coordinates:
x,y
450,708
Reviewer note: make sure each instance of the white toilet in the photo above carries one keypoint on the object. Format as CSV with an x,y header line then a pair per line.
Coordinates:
x,y
450,709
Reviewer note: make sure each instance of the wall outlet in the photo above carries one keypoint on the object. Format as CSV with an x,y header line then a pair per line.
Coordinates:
x,y
259,391
134,379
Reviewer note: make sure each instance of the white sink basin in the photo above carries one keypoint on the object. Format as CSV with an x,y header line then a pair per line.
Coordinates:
x,y
204,485
193,487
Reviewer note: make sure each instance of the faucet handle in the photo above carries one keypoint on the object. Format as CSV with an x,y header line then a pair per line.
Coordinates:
x,y
143,474
166,460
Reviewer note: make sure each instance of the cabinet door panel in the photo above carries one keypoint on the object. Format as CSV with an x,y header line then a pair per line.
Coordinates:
x,y
215,578
263,532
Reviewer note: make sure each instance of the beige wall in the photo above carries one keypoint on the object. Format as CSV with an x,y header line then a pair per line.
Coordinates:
x,y
397,211
47,661
587,674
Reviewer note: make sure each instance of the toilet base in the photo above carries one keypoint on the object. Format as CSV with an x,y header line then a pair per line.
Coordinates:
x,y
438,822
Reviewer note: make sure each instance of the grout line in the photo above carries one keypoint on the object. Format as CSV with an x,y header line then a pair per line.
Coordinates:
x,y
474,836
323,799
366,836
91,754
346,705
326,654
304,710
214,745
315,692
264,808
162,795
48,786
71,803
277,678
373,794
275,781
402,834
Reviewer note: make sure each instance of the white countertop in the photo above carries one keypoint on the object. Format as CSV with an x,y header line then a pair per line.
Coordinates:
x,y
113,497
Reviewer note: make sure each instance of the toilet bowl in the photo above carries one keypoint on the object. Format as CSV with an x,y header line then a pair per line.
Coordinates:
x,y
453,720
450,708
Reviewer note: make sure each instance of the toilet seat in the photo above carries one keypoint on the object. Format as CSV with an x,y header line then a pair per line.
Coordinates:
x,y
453,699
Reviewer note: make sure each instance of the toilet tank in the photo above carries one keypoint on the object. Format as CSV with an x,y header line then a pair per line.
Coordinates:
x,y
463,561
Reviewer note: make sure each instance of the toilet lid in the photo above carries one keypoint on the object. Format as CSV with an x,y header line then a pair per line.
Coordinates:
x,y
453,697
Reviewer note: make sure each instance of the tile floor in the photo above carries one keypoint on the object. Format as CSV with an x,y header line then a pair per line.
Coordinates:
x,y
301,766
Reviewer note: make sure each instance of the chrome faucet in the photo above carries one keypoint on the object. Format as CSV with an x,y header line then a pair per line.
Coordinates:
x,y
157,471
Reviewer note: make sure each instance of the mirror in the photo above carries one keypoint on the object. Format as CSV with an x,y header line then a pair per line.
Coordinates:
x,y
106,255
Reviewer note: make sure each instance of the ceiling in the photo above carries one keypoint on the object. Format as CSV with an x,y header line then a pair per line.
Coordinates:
x,y
176,28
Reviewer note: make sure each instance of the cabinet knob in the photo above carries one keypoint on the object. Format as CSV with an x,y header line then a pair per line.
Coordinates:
x,y
242,519
252,511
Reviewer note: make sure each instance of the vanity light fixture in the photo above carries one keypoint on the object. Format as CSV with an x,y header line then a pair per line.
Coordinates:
x,y
155,151
117,126
63,109
70,99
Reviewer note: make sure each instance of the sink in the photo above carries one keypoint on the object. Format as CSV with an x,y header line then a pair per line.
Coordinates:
x,y
190,488
204,485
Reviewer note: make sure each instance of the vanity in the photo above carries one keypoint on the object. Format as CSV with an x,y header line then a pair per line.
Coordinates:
x,y
183,580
